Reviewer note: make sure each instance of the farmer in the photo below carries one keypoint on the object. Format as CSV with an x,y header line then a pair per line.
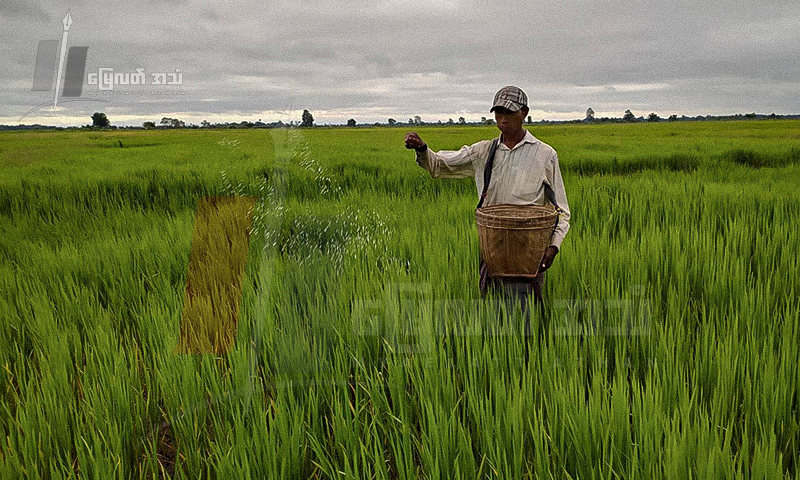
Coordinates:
x,y
525,171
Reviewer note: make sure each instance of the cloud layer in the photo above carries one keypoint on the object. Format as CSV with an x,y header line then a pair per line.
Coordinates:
x,y
399,58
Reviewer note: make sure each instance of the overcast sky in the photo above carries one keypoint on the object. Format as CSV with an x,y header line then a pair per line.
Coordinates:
x,y
371,60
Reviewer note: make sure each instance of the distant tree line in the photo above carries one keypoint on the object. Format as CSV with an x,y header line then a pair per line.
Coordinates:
x,y
629,117
101,120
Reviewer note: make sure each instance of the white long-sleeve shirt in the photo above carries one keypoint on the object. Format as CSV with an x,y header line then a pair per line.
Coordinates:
x,y
518,174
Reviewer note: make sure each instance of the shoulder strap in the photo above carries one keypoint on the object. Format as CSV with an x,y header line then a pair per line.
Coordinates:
x,y
487,171
551,195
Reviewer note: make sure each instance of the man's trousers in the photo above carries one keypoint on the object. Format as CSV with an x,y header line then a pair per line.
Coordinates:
x,y
515,289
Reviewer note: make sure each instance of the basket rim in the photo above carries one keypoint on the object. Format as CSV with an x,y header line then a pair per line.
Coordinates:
x,y
489,210
545,216
536,227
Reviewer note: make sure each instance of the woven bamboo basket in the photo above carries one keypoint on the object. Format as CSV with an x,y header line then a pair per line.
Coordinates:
x,y
513,238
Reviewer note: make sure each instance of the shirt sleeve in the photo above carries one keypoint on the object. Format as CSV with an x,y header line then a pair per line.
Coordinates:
x,y
450,163
553,178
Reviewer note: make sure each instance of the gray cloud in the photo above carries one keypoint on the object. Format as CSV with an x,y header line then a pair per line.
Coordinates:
x,y
23,10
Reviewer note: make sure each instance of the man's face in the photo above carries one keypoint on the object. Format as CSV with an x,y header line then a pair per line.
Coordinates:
x,y
509,122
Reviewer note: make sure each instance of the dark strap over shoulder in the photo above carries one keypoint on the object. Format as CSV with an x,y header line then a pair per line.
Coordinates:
x,y
487,171
551,196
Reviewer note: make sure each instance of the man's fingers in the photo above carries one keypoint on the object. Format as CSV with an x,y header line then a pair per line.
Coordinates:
x,y
413,140
547,260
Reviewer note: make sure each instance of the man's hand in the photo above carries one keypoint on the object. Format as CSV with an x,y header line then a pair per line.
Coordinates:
x,y
548,257
413,141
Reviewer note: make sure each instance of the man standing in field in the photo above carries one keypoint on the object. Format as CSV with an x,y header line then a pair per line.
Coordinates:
x,y
525,171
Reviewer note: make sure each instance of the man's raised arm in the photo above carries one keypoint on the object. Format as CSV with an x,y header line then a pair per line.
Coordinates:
x,y
444,163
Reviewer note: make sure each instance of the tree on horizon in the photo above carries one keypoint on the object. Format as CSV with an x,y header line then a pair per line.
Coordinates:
x,y
629,116
99,119
308,119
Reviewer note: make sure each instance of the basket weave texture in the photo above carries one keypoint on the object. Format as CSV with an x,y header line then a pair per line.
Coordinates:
x,y
513,238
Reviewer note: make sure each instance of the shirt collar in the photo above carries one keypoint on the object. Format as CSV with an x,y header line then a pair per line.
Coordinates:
x,y
528,138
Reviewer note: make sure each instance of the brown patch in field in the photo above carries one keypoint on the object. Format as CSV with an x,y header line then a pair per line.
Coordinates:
x,y
220,245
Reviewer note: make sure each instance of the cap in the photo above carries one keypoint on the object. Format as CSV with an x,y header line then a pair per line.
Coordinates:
x,y
510,97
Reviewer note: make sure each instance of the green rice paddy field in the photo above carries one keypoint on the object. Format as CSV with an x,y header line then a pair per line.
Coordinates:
x,y
363,350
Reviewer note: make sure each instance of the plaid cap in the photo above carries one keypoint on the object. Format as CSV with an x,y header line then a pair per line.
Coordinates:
x,y
510,97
